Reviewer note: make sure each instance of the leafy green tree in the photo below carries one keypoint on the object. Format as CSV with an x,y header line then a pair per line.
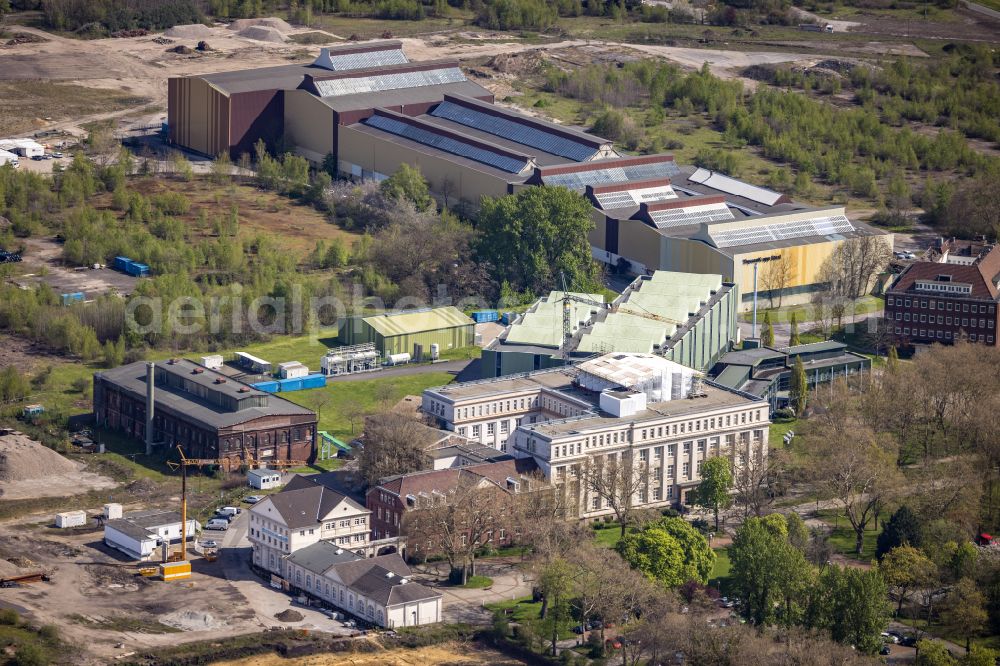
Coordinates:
x,y
798,532
934,653
965,610
851,603
767,331
798,388
557,583
793,324
892,359
906,568
669,551
713,492
408,183
13,385
767,570
902,528
981,656
533,236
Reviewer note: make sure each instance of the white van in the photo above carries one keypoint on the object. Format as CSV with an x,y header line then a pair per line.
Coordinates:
x,y
229,511
220,524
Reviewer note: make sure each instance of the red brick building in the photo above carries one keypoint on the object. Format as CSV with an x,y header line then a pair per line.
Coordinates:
x,y
394,497
952,294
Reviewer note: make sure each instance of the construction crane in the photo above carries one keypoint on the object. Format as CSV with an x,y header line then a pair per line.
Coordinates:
x,y
227,464
567,310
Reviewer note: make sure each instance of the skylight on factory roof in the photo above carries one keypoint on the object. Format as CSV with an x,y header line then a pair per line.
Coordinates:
x,y
738,188
628,198
679,217
512,130
391,81
827,225
622,173
411,130
359,60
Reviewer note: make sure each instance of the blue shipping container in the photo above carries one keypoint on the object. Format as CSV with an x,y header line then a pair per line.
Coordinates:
x,y
75,297
483,316
508,318
313,381
270,387
120,262
136,269
294,384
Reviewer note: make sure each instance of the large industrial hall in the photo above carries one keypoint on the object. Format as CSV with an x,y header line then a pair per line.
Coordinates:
x,y
372,109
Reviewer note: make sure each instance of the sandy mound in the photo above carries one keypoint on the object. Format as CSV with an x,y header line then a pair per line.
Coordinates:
x,y
262,34
9,569
191,31
270,22
289,616
192,621
23,458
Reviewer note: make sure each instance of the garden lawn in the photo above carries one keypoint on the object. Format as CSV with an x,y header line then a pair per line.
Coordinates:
x,y
778,431
719,578
346,403
608,535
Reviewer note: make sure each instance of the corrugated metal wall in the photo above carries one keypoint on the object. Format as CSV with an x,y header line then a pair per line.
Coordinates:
x,y
197,115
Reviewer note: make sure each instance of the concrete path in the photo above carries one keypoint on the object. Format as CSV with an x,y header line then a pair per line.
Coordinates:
x,y
986,11
465,605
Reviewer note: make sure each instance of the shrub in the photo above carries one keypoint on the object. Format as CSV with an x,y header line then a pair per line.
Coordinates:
x,y
9,616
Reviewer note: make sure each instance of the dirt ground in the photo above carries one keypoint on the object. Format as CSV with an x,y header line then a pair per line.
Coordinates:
x,y
99,603
16,351
56,485
45,252
447,654
140,66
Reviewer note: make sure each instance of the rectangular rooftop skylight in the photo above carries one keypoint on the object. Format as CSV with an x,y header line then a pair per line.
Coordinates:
x,y
391,81
580,179
777,231
679,217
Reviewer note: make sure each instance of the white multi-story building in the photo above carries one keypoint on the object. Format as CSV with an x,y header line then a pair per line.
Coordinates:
x,y
641,409
302,514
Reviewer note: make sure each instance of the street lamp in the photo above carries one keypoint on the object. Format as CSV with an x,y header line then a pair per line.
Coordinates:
x,y
756,262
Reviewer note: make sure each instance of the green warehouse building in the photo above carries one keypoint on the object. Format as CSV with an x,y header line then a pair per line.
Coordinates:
x,y
405,332
688,318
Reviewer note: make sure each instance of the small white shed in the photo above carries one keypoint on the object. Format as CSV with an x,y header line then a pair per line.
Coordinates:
x,y
264,479
71,519
293,370
212,362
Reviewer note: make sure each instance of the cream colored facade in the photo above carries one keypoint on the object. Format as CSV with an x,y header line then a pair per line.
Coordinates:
x,y
271,538
362,154
310,125
670,450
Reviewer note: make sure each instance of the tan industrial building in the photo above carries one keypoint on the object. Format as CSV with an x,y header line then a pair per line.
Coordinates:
x,y
372,109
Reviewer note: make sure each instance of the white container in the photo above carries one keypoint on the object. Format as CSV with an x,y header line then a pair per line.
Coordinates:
x,y
397,359
112,511
435,351
293,370
213,362
71,519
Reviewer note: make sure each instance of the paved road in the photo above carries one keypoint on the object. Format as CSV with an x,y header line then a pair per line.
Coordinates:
x,y
265,601
454,367
462,605
986,11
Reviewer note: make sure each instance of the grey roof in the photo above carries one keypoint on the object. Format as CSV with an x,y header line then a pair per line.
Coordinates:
x,y
140,525
289,77
380,579
404,97
750,356
320,556
812,347
353,570
541,157
301,505
262,472
188,407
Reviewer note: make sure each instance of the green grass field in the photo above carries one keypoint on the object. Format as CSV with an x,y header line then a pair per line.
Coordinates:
x,y
719,577
608,535
477,583
804,312
842,536
777,431
525,611
342,405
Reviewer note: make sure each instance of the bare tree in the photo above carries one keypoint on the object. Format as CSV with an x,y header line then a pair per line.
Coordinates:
x,y
851,267
752,484
459,522
394,444
616,481
539,519
777,275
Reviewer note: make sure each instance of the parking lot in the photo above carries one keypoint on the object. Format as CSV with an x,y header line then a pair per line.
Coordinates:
x,y
41,262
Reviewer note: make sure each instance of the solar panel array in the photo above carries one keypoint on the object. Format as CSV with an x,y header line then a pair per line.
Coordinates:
x,y
511,130
580,179
448,144
629,198
393,81
764,233
348,61
680,217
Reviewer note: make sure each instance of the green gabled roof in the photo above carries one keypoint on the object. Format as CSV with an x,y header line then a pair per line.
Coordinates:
x,y
407,323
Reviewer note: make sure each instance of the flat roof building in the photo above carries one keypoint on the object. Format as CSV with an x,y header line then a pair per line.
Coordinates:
x,y
207,413
139,534
621,406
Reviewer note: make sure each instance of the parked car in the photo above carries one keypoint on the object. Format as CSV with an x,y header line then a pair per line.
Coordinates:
x,y
253,499
209,544
37,158
220,524
229,511
57,155
890,637
885,649
908,641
